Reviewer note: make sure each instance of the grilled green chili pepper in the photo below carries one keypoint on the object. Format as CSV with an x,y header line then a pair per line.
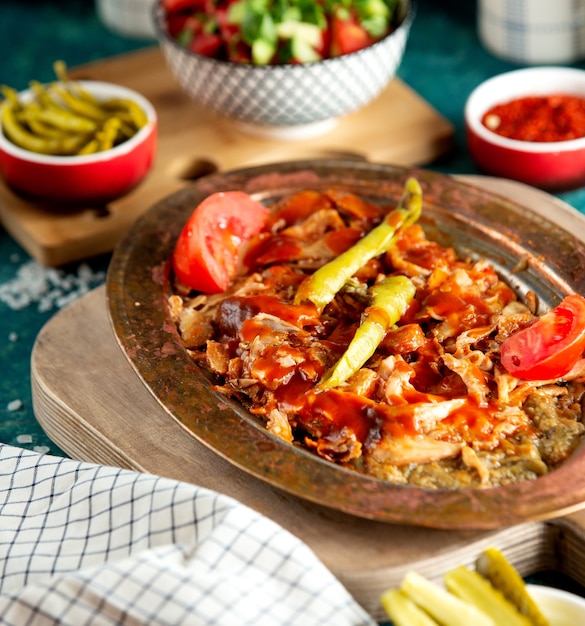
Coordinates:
x,y
322,286
390,299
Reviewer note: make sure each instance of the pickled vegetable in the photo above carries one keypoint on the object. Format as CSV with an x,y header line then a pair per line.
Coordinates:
x,y
474,588
493,593
443,606
494,566
20,135
322,286
390,299
62,119
403,611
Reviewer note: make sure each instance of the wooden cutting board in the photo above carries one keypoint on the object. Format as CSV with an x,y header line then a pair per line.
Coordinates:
x,y
90,402
398,127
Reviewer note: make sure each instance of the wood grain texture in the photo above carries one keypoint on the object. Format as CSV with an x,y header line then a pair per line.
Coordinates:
x,y
399,127
99,411
90,401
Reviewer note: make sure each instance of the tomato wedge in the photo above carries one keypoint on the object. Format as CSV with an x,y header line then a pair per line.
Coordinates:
x,y
549,347
206,44
207,252
183,5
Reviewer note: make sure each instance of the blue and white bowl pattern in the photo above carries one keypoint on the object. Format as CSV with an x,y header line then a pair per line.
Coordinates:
x,y
287,95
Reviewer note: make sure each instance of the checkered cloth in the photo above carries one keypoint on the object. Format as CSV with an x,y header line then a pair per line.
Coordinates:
x,y
88,545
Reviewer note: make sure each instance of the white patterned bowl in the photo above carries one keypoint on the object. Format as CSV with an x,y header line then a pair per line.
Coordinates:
x,y
298,100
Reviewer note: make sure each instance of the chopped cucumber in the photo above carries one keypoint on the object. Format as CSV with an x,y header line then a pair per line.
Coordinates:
x,y
262,51
304,52
310,33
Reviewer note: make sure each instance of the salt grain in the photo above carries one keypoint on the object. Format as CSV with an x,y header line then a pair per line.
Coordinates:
x,y
23,439
48,288
13,337
41,449
14,405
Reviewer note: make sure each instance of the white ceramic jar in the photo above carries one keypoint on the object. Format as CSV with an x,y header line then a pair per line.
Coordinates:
x,y
533,32
129,18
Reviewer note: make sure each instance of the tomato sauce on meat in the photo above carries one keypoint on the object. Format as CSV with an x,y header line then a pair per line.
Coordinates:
x,y
432,406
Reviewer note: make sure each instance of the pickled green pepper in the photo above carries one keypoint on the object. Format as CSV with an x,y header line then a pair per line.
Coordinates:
x,y
321,287
63,119
389,300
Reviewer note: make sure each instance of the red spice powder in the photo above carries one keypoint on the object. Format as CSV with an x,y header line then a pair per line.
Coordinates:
x,y
557,117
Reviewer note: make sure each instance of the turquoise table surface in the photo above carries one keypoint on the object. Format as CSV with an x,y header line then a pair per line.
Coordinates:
x,y
443,62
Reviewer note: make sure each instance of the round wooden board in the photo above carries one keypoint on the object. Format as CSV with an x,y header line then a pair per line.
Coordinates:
x,y
91,403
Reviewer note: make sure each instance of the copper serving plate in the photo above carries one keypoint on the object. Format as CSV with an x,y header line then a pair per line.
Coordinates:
x,y
476,222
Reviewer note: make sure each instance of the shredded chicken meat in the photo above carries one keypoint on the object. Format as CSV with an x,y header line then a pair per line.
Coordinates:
x,y
432,407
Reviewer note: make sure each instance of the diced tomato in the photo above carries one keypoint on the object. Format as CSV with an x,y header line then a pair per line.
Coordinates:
x,y
208,251
238,51
191,25
171,6
176,24
206,44
234,47
227,29
195,37
323,49
551,346
347,35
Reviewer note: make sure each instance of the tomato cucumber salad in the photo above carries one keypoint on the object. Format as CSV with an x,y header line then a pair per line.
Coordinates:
x,y
267,32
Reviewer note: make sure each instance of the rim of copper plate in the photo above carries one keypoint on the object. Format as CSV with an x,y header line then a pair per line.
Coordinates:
x,y
473,220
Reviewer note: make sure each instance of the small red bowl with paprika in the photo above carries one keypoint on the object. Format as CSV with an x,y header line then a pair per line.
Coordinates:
x,y
529,125
42,159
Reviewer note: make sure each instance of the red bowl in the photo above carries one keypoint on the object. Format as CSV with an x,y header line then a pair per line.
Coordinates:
x,y
554,166
88,179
